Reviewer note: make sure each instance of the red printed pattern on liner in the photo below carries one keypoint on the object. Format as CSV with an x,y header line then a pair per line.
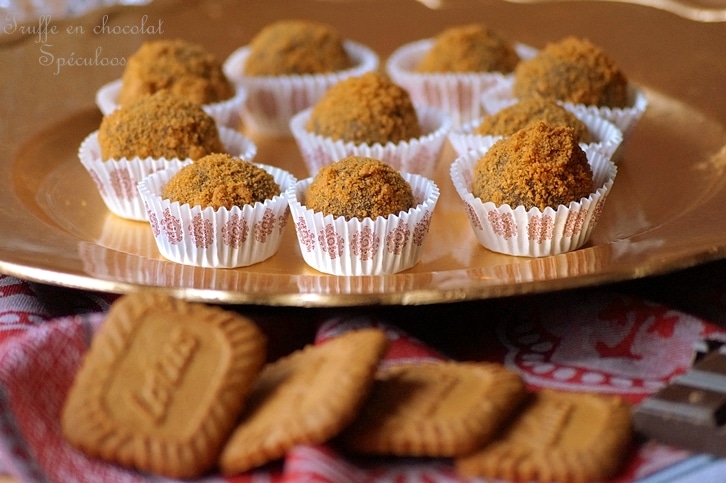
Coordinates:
x,y
473,218
331,242
363,243
172,227
575,221
201,231
265,227
540,228
233,233
304,235
122,184
422,229
397,240
503,224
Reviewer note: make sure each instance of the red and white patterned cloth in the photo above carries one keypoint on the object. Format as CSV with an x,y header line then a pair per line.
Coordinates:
x,y
607,340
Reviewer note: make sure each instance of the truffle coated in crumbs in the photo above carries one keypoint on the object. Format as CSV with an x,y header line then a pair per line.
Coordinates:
x,y
538,166
469,48
288,47
359,187
366,109
220,180
185,68
527,111
162,125
575,70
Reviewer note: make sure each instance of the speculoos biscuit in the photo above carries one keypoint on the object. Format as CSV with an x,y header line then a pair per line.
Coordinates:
x,y
163,384
307,397
559,436
442,409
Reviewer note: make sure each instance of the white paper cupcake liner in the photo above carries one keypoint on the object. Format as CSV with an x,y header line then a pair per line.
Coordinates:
x,y
418,156
500,95
513,230
273,100
456,93
364,247
607,137
226,113
222,238
116,179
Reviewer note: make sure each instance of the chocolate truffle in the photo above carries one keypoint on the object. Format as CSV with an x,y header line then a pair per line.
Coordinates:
x,y
359,187
366,109
288,47
527,111
162,125
469,48
538,166
575,70
220,180
185,68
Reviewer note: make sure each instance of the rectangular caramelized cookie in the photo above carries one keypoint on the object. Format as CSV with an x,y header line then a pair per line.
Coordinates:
x,y
557,436
441,409
163,384
306,397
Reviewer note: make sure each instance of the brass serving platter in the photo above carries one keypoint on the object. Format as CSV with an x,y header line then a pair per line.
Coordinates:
x,y
665,211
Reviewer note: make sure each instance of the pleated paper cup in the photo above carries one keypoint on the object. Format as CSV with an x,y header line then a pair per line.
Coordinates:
x,y
500,95
417,156
457,94
365,246
514,230
116,179
226,113
222,238
607,137
272,101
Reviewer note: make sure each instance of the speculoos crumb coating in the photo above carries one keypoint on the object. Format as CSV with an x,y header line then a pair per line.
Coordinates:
x,y
185,68
221,180
538,166
162,125
369,109
469,48
575,70
527,111
359,187
288,47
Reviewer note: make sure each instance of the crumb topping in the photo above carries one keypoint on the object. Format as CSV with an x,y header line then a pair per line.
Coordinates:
x,y
359,187
538,166
162,125
469,48
527,111
220,180
293,46
366,109
575,70
184,68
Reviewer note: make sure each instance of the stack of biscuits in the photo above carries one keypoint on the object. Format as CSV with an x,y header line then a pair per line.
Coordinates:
x,y
183,389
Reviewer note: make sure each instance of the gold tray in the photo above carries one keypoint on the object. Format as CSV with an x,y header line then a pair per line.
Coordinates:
x,y
664,212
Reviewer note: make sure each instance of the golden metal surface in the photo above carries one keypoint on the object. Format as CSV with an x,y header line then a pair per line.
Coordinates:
x,y
664,213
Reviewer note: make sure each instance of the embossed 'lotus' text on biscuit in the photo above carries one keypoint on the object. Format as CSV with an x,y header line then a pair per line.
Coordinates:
x,y
163,384
162,378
